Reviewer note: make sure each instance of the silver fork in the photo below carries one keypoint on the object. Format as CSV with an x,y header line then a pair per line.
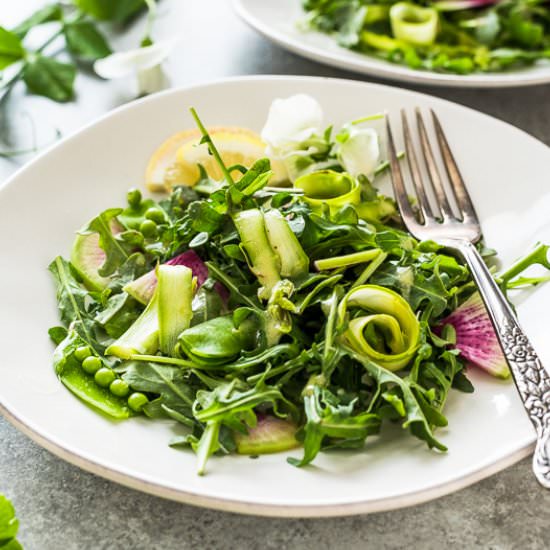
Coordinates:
x,y
459,233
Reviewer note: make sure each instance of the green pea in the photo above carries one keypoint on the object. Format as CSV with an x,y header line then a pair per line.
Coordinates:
x,y
92,364
134,197
155,214
148,228
137,401
82,352
104,377
119,388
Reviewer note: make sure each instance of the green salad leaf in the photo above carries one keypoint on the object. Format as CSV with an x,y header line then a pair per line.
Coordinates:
x,y
48,77
11,49
85,41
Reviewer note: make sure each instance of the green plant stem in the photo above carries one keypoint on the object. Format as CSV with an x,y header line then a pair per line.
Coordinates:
x,y
164,360
291,190
330,328
151,16
220,276
537,256
369,118
347,259
16,153
212,147
370,269
383,166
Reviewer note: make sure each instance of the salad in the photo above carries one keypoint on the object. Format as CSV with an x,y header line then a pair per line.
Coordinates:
x,y
271,302
451,36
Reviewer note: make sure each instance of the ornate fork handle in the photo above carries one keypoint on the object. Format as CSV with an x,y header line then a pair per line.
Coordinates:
x,y
530,376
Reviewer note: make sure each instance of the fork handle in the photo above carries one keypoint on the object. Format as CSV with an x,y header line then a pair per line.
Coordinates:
x,y
530,376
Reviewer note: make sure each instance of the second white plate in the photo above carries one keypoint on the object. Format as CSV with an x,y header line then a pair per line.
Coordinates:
x,y
277,22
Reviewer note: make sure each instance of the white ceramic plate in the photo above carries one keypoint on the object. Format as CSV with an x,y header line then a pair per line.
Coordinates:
x,y
276,20
42,206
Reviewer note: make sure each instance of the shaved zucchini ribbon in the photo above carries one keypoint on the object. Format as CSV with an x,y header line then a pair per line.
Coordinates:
x,y
389,334
326,188
414,24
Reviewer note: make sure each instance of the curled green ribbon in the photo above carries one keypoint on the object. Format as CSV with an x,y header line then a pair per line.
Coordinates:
x,y
414,24
334,189
388,334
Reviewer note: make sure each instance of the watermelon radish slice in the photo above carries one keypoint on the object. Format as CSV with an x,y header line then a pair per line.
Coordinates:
x,y
270,435
142,288
476,338
87,257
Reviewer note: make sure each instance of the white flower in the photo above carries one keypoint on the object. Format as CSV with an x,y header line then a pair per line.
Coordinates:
x,y
290,122
145,63
360,152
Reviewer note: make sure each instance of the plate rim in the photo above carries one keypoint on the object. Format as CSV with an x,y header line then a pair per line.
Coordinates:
x,y
391,71
227,504
262,509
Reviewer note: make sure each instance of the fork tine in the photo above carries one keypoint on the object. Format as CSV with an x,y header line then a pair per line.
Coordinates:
x,y
398,183
423,201
433,171
457,183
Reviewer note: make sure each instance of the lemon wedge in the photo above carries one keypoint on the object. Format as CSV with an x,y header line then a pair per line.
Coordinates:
x,y
175,161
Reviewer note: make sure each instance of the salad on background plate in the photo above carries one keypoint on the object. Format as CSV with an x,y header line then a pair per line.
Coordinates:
x,y
449,36
271,300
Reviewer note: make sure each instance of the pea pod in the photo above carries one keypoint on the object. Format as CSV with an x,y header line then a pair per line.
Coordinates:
x,y
74,377
334,189
388,334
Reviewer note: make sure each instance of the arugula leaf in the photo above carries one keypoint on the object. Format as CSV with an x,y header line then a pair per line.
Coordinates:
x,y
85,41
417,288
255,178
208,444
50,12
207,304
116,250
328,419
11,49
57,334
120,312
205,217
415,420
324,237
228,405
9,524
49,77
170,383
352,26
74,302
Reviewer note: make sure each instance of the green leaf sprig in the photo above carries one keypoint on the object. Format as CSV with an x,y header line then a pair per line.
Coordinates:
x,y
76,24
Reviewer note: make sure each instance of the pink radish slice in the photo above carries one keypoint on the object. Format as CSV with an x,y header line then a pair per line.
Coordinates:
x,y
270,435
476,338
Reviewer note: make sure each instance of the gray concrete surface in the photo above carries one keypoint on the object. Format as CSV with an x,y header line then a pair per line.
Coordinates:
x,y
61,507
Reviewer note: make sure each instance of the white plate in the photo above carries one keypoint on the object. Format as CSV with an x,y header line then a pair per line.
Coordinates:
x,y
276,20
42,206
